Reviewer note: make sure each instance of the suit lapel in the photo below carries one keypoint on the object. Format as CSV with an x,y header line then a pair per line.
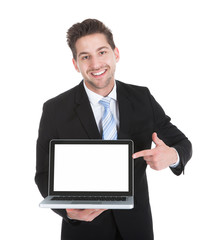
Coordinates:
x,y
87,119
85,113
125,112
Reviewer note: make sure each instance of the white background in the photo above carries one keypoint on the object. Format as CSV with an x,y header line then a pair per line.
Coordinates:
x,y
170,46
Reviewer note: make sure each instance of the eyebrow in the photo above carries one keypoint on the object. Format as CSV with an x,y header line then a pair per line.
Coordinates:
x,y
98,49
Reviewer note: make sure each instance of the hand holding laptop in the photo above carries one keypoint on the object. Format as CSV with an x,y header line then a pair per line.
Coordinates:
x,y
87,215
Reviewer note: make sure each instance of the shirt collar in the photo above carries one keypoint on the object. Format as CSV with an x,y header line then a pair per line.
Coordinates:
x,y
94,98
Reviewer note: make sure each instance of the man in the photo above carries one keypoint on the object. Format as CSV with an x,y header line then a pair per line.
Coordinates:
x,y
77,113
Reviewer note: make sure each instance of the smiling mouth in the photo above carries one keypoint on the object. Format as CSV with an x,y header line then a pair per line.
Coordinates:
x,y
97,74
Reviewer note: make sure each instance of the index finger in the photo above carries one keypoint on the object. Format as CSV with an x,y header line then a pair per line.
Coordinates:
x,y
143,153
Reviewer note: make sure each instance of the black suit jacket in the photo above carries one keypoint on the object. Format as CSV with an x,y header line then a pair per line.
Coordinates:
x,y
69,115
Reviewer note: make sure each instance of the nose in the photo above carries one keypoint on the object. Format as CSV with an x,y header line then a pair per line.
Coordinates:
x,y
95,63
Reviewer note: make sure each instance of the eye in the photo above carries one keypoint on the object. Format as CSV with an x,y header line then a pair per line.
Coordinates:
x,y
102,52
85,57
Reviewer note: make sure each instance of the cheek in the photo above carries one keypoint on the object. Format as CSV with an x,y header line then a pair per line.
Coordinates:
x,y
111,62
82,68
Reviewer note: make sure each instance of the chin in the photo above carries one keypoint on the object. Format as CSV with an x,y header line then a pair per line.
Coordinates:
x,y
100,83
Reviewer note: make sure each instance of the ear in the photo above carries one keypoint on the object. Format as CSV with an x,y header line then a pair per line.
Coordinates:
x,y
116,52
75,65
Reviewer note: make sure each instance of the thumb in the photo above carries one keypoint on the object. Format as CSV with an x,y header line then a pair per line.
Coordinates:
x,y
156,139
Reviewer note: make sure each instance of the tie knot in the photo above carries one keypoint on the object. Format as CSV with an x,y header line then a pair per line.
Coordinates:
x,y
105,102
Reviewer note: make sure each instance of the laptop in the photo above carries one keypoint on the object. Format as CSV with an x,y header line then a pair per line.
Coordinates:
x,y
90,174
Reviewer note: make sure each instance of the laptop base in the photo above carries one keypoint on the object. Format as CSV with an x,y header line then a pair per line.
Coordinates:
x,y
48,203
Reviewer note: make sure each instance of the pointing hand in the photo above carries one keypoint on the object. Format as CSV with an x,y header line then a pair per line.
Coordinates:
x,y
160,157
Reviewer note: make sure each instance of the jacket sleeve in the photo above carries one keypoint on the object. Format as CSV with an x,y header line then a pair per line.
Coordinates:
x,y
172,136
47,132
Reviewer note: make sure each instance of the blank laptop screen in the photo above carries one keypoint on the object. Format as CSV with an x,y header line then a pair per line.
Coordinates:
x,y
94,167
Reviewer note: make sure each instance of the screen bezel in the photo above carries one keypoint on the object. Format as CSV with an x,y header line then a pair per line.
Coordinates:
x,y
127,142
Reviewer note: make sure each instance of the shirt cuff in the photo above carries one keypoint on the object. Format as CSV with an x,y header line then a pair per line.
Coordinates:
x,y
177,162
69,217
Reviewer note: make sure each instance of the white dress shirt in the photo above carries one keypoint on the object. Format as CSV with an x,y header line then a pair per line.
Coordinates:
x,y
98,110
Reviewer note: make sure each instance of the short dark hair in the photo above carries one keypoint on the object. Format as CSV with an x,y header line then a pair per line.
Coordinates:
x,y
87,27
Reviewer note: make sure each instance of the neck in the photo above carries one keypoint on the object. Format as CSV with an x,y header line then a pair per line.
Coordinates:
x,y
104,91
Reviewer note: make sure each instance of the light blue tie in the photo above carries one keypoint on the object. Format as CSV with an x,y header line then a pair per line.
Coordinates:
x,y
108,121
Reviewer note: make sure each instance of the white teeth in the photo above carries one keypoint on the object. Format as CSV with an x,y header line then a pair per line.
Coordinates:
x,y
99,73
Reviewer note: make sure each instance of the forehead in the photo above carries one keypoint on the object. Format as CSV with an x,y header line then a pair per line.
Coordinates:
x,y
91,43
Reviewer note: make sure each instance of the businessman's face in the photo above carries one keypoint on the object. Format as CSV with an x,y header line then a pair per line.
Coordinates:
x,y
96,61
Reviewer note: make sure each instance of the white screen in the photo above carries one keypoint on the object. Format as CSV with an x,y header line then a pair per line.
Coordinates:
x,y
95,167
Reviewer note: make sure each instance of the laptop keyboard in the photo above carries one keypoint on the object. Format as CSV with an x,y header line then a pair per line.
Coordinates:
x,y
90,198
